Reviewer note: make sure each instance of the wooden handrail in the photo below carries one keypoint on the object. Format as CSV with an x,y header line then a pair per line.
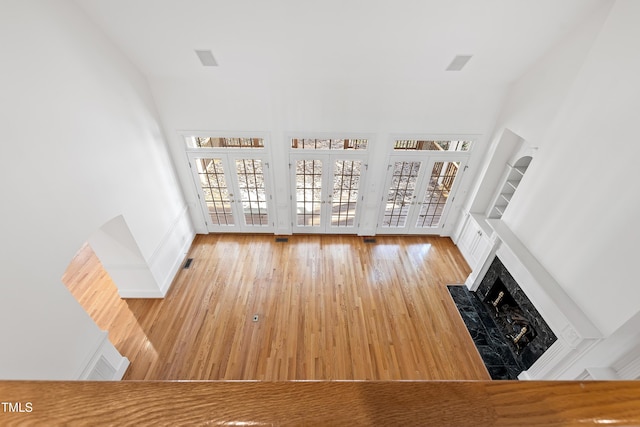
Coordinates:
x,y
455,403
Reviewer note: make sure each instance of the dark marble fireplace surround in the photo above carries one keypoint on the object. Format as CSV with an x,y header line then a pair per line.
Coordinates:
x,y
503,359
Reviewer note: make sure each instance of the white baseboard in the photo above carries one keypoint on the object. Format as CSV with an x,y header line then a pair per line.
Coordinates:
x,y
141,293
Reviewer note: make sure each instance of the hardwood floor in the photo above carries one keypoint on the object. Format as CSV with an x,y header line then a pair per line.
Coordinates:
x,y
328,307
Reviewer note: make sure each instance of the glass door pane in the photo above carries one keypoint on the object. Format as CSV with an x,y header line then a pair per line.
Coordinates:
x,y
234,192
252,195
437,192
404,175
217,199
344,200
420,194
308,192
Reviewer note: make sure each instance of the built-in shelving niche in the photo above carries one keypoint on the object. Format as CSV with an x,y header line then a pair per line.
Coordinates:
x,y
514,175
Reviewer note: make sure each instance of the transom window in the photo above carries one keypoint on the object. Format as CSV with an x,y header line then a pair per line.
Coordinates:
x,y
328,144
217,142
413,144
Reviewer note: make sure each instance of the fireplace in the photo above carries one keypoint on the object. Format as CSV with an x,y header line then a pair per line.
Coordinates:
x,y
523,328
558,333
508,331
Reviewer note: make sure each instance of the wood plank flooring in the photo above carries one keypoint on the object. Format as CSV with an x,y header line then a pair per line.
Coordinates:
x,y
328,307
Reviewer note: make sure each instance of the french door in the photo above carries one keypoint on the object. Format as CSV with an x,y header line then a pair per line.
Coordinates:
x,y
234,191
326,192
419,193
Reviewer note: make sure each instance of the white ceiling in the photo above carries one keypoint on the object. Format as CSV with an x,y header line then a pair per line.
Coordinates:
x,y
334,66
407,41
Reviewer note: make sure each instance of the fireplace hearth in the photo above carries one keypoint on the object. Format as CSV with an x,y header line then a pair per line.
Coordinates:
x,y
508,331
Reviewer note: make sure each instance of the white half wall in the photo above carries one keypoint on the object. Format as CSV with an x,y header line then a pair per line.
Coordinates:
x,y
133,275
120,256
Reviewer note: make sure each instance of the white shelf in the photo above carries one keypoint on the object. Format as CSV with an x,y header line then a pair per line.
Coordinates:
x,y
510,184
513,184
520,170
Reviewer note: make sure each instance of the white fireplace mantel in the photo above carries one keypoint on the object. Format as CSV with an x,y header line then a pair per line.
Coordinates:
x,y
575,332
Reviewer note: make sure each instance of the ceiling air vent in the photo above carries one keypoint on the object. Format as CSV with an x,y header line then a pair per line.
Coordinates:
x,y
206,58
459,62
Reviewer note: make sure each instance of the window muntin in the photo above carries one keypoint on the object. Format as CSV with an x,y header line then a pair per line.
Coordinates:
x,y
308,192
220,142
436,195
426,145
216,191
346,180
400,193
253,196
328,144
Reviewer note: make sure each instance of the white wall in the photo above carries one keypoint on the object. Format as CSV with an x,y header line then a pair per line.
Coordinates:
x,y
283,108
535,98
80,144
533,102
577,207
